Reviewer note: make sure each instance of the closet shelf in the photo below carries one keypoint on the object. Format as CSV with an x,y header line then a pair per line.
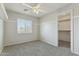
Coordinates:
x,y
63,20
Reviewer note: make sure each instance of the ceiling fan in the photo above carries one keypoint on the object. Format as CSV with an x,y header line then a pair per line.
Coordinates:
x,y
36,8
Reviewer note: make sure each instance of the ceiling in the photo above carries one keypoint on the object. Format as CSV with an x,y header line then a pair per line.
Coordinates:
x,y
47,7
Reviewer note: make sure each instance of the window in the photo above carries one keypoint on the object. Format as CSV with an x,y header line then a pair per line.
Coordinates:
x,y
24,26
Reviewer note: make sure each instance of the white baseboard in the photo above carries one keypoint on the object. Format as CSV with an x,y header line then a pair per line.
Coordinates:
x,y
1,50
17,42
49,42
76,53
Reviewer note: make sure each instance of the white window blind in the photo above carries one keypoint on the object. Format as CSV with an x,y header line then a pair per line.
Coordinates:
x,y
24,26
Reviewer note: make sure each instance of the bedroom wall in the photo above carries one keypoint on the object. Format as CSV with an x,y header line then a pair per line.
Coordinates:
x,y
48,29
11,35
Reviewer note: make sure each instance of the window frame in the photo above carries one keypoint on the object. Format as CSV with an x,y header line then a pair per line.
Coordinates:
x,y
26,27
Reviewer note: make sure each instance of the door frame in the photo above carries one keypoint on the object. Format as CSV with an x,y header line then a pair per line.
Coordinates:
x,y
71,28
1,48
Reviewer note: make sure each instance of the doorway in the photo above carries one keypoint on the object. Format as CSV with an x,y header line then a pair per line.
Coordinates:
x,y
64,26
1,35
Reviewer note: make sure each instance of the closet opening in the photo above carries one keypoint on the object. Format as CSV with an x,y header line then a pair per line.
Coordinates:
x,y
64,36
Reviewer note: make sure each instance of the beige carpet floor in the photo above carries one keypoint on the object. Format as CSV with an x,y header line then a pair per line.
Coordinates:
x,y
36,48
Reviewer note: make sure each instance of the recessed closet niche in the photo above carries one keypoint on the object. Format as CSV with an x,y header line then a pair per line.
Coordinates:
x,y
64,30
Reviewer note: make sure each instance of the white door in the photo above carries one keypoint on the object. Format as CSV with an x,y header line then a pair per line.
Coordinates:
x,y
1,35
76,34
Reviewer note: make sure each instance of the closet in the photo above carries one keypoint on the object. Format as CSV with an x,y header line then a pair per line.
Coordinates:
x,y
64,30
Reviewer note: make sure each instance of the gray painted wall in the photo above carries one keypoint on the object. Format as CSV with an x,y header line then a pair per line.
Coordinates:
x,y
11,35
